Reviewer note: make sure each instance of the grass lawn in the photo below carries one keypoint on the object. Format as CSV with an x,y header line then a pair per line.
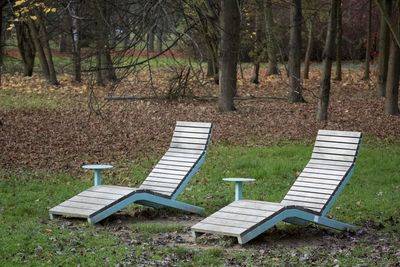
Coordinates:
x,y
146,237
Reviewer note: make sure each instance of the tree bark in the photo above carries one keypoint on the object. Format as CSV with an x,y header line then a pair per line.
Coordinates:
x,y
384,42
38,47
309,50
271,45
26,47
229,51
150,40
393,75
328,54
74,26
368,42
257,46
295,94
44,39
2,32
339,42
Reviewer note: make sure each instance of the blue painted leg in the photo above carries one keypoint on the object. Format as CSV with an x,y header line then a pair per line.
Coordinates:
x,y
335,224
97,177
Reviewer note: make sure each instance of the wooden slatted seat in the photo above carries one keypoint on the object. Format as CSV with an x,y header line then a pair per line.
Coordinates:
x,y
161,187
308,200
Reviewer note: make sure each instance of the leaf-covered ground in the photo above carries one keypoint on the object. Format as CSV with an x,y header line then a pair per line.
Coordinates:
x,y
61,134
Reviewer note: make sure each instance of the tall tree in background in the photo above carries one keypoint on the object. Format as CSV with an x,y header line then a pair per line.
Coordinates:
x,y
229,51
271,41
25,46
368,42
384,42
75,36
3,3
309,50
295,94
322,114
258,25
339,42
393,73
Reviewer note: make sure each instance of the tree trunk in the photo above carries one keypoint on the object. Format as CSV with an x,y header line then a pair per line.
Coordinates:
x,y
393,74
257,46
74,27
271,45
44,39
160,37
2,33
368,43
150,40
339,42
322,114
384,42
39,48
229,51
309,50
26,47
295,94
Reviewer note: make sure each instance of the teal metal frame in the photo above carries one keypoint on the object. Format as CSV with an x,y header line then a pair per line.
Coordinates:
x,y
302,217
153,200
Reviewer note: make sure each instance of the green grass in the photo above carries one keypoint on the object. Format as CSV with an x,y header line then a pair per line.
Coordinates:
x,y
11,99
28,237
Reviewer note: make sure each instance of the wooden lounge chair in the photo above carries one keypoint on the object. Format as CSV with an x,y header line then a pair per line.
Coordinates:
x,y
308,200
161,187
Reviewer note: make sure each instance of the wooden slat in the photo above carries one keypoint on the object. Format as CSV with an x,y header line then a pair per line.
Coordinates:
x,y
307,194
345,152
194,124
157,188
327,167
91,200
318,181
218,229
159,184
191,135
259,205
189,140
315,185
192,129
335,145
80,205
181,155
66,211
190,160
332,157
157,170
325,171
186,151
245,211
99,195
188,146
233,216
340,133
175,163
321,176
311,189
313,206
173,167
305,199
331,162
163,180
164,175
338,139
111,190
225,222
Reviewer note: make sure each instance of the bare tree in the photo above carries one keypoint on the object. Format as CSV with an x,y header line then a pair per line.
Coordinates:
x,y
309,49
271,41
392,81
384,42
339,42
295,94
229,51
322,114
368,42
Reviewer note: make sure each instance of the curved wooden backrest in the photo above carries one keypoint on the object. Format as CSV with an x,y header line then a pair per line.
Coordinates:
x,y
183,158
331,165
